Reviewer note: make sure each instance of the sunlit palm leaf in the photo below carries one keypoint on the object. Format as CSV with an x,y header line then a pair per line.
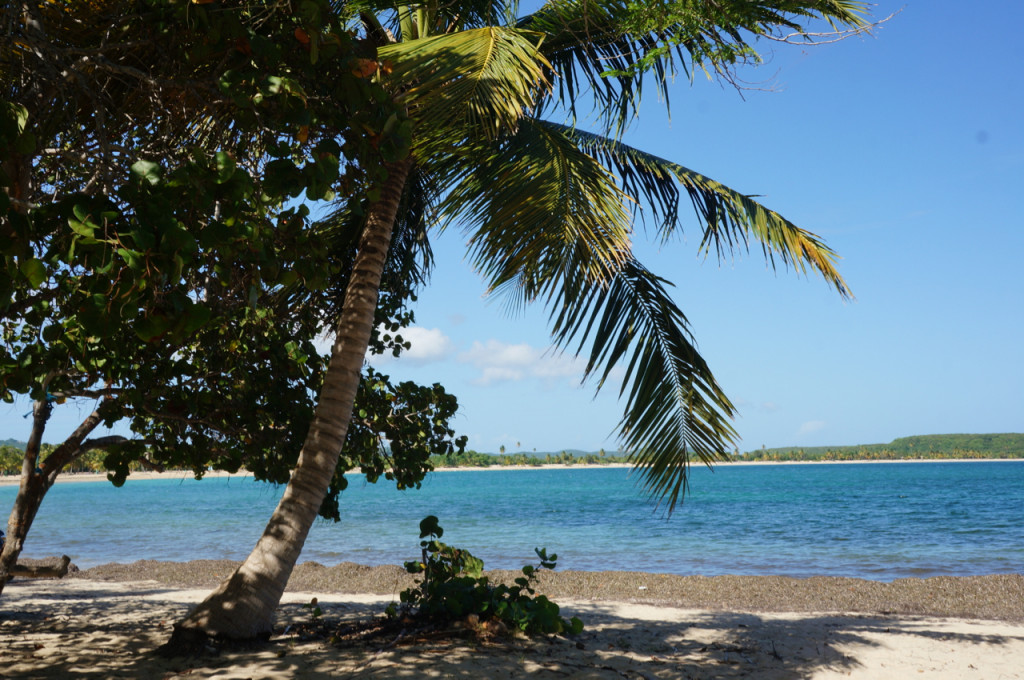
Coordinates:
x,y
674,407
542,214
477,82
730,218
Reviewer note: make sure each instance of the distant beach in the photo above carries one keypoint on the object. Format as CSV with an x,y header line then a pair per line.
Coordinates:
x,y
14,480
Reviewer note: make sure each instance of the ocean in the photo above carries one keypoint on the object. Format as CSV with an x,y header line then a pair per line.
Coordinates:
x,y
879,521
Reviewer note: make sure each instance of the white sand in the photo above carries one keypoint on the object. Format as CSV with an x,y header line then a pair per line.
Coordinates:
x,y
94,629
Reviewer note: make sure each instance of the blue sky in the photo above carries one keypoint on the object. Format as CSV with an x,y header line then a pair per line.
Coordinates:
x,y
904,151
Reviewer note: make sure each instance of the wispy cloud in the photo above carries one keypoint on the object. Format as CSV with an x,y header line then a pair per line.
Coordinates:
x,y
811,426
502,362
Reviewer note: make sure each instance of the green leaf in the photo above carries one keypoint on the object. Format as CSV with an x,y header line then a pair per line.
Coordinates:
x,y
33,270
731,219
84,230
132,257
575,626
150,327
282,179
225,166
20,115
147,171
274,84
545,216
430,527
52,332
479,81
194,318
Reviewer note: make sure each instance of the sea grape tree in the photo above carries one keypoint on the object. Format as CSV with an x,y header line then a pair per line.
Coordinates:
x,y
155,264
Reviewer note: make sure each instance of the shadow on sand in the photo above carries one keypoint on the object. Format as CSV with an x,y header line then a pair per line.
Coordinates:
x,y
111,630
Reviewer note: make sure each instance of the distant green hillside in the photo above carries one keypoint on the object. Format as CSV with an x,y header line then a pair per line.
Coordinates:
x,y
13,442
1010,445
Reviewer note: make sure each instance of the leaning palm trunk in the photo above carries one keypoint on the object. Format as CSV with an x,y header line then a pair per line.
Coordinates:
x,y
243,605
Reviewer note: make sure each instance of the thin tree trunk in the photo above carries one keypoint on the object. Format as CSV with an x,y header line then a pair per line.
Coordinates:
x,y
36,480
243,605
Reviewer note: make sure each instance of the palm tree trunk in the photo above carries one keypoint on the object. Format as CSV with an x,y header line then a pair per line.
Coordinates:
x,y
243,605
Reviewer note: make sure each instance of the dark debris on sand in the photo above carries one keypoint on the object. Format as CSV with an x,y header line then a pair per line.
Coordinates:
x,y
985,597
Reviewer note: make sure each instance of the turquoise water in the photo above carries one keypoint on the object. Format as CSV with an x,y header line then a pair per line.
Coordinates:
x,y
875,521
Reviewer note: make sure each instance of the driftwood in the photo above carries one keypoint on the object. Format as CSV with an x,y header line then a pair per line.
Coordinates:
x,y
58,570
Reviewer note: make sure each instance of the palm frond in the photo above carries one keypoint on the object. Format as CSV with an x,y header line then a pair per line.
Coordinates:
x,y
608,46
446,17
478,82
541,213
731,219
674,407
584,41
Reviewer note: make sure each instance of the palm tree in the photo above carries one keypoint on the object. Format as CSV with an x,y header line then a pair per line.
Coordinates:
x,y
546,207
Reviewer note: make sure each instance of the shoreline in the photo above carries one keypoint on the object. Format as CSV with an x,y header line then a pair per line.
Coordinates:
x,y
14,480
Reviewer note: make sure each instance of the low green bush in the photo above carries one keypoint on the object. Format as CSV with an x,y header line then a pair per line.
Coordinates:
x,y
454,588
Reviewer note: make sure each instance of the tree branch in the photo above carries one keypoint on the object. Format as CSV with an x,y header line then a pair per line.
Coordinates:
x,y
802,38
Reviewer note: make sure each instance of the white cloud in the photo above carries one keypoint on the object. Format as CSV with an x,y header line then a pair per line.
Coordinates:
x,y
426,345
497,353
501,362
496,374
812,426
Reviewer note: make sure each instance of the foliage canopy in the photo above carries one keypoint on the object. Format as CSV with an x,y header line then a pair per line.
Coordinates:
x,y
155,261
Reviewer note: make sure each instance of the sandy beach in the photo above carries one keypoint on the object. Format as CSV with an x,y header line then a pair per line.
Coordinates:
x,y
105,623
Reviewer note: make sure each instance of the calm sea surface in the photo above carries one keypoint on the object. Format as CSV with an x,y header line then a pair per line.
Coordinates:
x,y
875,521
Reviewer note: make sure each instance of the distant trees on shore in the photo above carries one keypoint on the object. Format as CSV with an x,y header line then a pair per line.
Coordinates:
x,y
920,447
12,457
867,454
478,459
819,454
924,447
